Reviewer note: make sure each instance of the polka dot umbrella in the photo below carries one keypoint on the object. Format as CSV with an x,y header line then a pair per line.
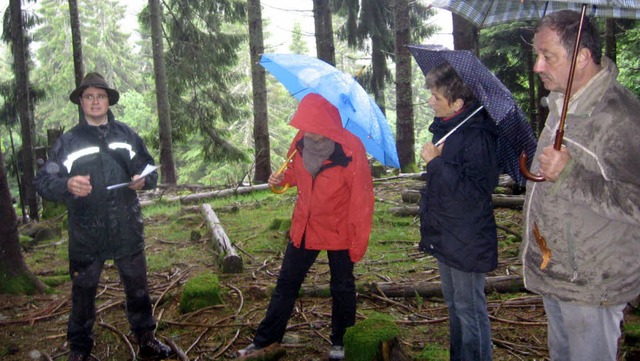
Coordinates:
x,y
515,133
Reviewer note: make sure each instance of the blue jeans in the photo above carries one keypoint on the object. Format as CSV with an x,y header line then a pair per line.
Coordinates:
x,y
85,277
469,327
582,333
295,266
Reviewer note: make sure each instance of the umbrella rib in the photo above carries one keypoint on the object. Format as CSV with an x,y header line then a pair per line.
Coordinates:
x,y
484,18
458,126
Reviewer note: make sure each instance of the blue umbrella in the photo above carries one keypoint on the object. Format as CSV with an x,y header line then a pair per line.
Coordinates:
x,y
302,75
515,133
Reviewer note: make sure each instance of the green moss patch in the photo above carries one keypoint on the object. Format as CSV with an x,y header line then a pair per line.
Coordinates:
x,y
362,341
199,292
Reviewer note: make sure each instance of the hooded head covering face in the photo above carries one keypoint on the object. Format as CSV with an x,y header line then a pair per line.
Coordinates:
x,y
316,115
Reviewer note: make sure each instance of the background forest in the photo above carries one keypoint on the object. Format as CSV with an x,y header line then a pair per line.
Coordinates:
x,y
190,85
208,75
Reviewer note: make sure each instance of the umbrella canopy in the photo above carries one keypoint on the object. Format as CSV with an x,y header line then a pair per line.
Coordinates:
x,y
360,114
515,133
486,13
483,13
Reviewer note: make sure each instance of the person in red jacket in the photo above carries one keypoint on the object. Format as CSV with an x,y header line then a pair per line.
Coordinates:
x,y
333,212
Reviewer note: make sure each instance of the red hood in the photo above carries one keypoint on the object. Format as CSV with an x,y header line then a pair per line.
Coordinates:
x,y
316,115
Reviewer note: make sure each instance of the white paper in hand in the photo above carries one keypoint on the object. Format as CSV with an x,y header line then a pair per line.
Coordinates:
x,y
145,172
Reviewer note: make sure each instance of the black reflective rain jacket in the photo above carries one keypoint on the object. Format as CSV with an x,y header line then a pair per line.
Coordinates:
x,y
107,224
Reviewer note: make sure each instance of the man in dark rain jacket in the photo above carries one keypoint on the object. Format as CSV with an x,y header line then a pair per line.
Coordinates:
x,y
103,223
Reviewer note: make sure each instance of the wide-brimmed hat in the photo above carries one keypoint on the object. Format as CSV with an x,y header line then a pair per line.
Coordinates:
x,y
94,80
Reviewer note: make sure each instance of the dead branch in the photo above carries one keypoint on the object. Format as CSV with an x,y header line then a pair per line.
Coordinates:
x,y
178,351
185,273
197,340
121,336
520,323
239,295
226,347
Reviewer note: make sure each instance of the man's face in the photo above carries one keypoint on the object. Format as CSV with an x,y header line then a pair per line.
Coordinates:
x,y
95,103
552,61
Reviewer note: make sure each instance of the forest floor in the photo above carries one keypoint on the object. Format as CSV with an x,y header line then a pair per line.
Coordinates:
x,y
179,247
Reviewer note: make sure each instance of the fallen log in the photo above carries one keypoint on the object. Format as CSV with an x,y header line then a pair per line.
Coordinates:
x,y
193,198
230,260
507,201
404,211
413,197
499,284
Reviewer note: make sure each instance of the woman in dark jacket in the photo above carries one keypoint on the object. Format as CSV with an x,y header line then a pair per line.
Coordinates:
x,y
457,221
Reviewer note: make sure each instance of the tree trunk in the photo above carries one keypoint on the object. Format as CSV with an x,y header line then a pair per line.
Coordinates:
x,y
534,113
14,274
465,34
324,31
378,72
259,87
76,43
167,166
610,49
405,137
22,98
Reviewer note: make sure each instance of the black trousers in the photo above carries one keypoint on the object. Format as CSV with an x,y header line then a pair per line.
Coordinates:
x,y
85,278
295,266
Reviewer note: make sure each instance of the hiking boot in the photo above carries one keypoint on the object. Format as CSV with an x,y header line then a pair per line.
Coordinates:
x,y
336,353
78,356
150,348
248,351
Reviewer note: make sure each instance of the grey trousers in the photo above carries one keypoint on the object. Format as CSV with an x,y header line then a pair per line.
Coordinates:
x,y
582,333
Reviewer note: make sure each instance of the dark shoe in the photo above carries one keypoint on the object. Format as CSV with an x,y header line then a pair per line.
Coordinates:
x,y
78,356
248,351
149,348
336,353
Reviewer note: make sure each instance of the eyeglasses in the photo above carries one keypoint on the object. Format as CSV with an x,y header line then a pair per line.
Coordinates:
x,y
91,97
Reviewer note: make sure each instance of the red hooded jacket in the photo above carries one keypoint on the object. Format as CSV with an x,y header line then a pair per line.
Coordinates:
x,y
334,211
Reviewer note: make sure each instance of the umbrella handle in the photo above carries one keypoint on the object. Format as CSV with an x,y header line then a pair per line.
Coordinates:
x,y
525,171
284,188
557,144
